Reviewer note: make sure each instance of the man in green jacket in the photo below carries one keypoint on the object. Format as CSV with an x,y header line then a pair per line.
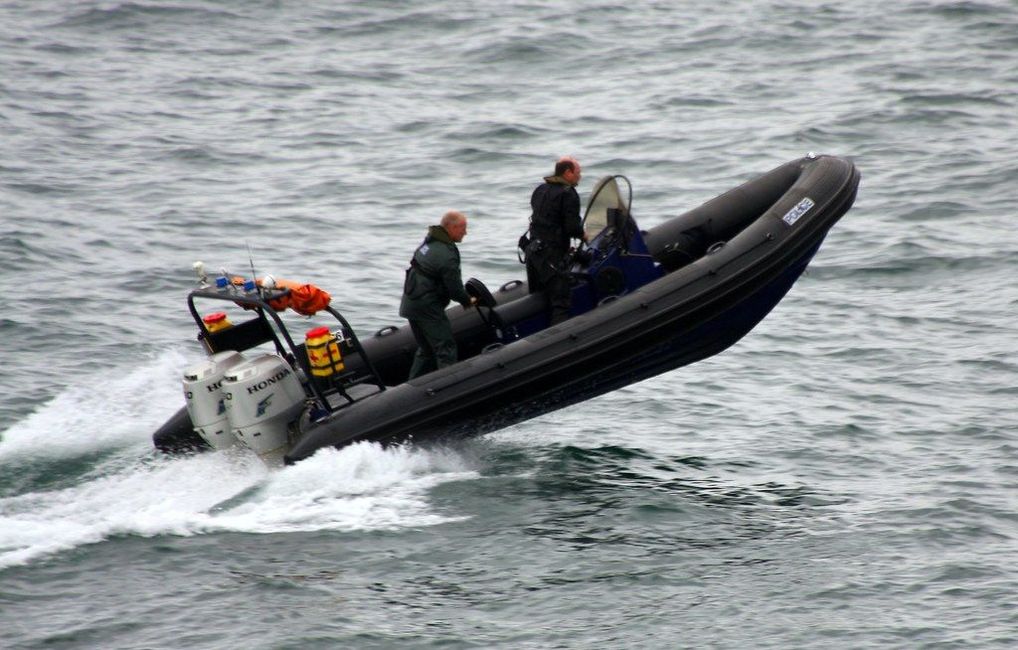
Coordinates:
x,y
432,281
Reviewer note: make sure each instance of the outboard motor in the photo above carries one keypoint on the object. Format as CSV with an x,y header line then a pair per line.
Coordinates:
x,y
205,405
263,396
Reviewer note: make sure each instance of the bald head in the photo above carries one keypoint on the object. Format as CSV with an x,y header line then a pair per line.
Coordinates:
x,y
568,168
455,223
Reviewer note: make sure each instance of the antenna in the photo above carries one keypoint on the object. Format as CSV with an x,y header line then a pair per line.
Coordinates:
x,y
250,260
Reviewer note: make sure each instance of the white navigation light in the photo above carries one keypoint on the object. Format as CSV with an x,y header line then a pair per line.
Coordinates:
x,y
199,270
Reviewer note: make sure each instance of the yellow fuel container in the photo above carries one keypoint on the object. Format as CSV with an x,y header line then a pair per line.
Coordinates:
x,y
323,352
216,321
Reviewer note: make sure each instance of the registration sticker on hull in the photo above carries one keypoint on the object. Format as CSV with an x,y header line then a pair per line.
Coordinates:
x,y
801,208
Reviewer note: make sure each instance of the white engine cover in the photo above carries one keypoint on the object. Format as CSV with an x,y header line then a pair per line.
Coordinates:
x,y
262,397
202,391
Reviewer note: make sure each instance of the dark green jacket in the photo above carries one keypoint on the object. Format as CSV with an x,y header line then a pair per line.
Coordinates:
x,y
434,278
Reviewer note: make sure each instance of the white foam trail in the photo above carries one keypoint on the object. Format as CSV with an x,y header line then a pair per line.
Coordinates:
x,y
116,408
360,487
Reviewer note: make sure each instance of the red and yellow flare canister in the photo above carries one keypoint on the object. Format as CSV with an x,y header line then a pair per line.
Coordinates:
x,y
323,352
216,321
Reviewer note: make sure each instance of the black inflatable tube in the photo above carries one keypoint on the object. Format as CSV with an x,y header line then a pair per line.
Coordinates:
x,y
695,311
690,314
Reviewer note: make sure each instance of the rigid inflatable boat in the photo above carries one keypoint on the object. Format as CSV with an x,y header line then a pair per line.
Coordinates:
x,y
644,302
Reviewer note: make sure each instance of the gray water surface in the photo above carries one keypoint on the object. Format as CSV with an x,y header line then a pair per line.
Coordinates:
x,y
843,477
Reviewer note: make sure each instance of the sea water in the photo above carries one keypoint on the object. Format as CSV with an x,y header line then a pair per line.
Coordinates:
x,y
845,476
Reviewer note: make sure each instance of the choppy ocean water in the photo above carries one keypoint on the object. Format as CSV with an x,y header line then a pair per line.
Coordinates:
x,y
845,476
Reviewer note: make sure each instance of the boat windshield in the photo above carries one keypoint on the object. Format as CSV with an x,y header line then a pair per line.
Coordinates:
x,y
605,196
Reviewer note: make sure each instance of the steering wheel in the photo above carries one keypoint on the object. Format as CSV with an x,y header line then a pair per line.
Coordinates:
x,y
476,289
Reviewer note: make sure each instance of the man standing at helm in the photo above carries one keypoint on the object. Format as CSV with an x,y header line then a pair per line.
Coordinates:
x,y
432,281
554,221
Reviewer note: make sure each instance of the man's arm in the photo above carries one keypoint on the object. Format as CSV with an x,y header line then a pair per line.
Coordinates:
x,y
572,225
453,279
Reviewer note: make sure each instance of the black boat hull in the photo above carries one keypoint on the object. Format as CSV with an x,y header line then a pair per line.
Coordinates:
x,y
690,314
760,235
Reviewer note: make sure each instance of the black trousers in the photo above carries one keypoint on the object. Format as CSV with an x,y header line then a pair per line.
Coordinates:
x,y
545,273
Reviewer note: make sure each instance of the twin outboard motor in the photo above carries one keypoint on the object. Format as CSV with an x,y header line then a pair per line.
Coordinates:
x,y
231,400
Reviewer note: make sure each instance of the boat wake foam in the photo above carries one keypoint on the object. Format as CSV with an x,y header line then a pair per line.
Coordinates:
x,y
110,410
112,484
362,487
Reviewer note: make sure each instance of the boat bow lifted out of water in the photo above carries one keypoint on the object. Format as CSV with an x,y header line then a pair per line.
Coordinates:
x,y
644,302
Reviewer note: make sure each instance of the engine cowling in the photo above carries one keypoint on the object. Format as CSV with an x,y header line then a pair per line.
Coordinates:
x,y
263,397
205,400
